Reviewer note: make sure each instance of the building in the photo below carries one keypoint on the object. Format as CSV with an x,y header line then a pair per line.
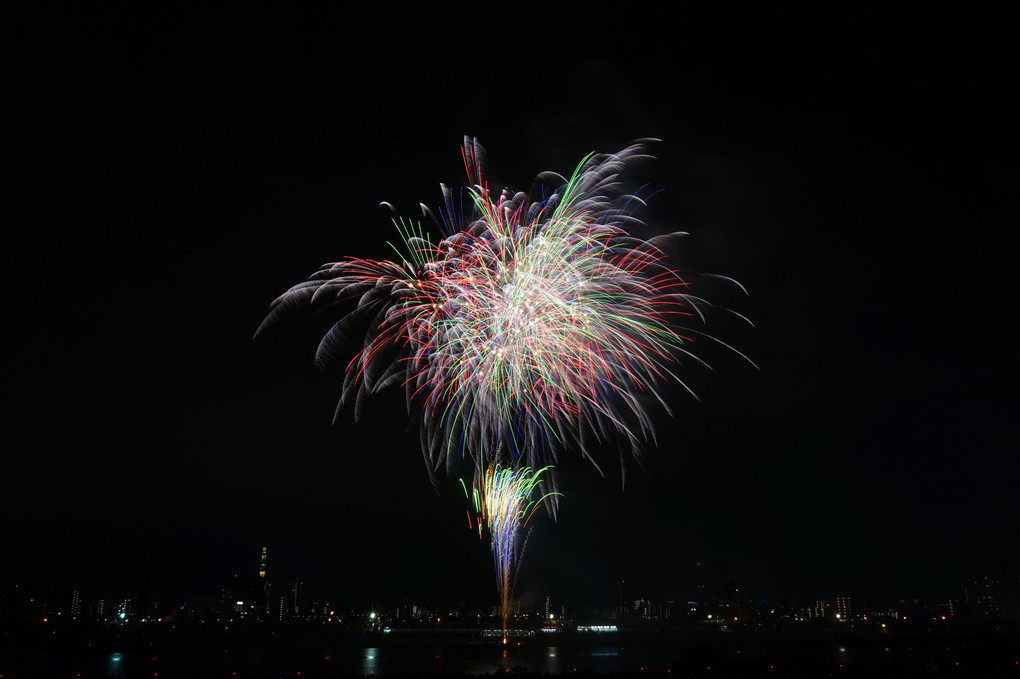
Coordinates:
x,y
984,595
843,608
75,605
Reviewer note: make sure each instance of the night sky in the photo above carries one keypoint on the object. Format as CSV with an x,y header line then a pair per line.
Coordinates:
x,y
173,168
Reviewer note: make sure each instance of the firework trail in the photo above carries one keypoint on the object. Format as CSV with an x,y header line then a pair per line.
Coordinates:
x,y
537,323
504,500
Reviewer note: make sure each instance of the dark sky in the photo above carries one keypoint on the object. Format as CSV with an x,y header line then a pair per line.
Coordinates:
x,y
173,168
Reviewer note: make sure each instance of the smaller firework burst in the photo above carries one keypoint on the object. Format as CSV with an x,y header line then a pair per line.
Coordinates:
x,y
505,499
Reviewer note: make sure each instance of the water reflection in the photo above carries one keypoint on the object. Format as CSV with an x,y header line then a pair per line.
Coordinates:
x,y
468,660
114,664
552,659
605,651
370,661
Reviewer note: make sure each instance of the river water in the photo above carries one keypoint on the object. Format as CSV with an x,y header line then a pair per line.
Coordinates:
x,y
328,662
731,658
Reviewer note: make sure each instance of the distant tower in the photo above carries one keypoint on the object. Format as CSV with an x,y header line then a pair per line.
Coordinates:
x,y
262,587
700,595
297,594
620,598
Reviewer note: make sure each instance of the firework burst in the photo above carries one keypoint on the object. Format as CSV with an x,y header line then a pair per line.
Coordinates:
x,y
538,323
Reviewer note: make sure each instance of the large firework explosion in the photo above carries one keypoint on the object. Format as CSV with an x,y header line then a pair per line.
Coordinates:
x,y
538,323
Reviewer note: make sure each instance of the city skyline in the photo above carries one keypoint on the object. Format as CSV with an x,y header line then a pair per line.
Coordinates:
x,y
251,592
979,600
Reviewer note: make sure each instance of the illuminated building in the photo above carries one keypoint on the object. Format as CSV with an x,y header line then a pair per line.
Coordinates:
x,y
985,597
75,605
844,608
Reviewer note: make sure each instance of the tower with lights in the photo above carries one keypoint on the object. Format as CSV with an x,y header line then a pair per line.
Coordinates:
x,y
262,588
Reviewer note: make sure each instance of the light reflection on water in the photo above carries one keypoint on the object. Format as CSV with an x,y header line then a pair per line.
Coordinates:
x,y
467,660
369,662
114,664
605,651
552,659
475,660
425,660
